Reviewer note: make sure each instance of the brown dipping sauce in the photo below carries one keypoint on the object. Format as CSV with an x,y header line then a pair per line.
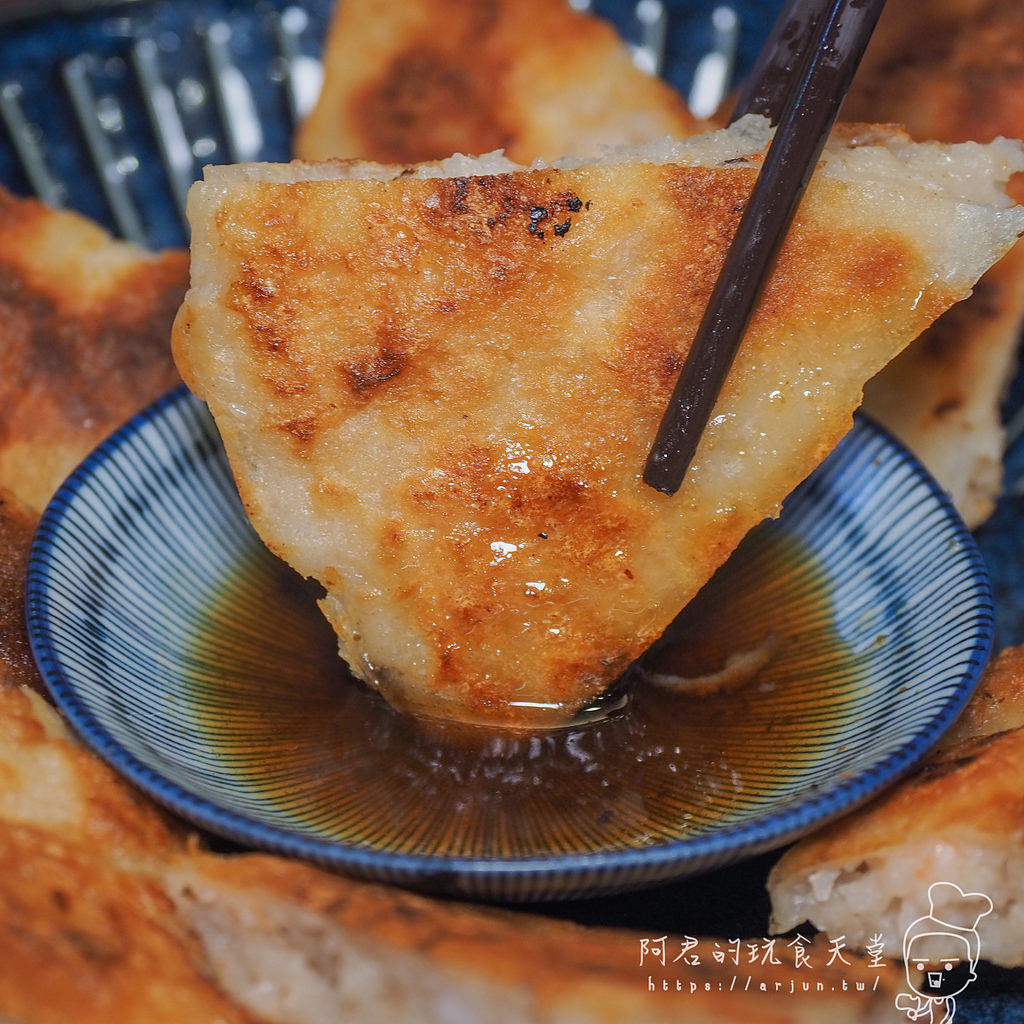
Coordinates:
x,y
332,756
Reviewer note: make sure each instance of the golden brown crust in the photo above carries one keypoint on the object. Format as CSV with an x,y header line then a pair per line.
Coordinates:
x,y
85,802
86,932
950,70
421,80
90,873
83,940
84,340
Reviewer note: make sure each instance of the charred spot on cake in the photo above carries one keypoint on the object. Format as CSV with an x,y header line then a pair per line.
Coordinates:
x,y
508,207
254,296
366,375
491,203
538,214
554,210
461,199
460,188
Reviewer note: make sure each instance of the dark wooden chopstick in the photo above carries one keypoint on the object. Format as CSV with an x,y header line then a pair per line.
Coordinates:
x,y
785,53
799,82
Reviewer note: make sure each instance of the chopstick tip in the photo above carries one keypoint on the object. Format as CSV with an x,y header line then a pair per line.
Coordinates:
x,y
665,470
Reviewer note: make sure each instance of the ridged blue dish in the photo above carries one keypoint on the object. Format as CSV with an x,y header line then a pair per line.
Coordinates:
x,y
198,666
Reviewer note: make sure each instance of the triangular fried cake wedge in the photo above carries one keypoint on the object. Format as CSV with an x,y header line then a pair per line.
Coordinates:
x,y
953,70
437,391
85,324
422,79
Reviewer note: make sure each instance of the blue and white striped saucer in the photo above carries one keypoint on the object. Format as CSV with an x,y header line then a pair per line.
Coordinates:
x,y
198,666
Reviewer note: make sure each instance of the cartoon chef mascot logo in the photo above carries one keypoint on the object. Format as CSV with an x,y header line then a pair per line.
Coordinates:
x,y
941,952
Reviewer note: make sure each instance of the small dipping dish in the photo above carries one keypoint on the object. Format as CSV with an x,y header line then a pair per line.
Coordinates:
x,y
198,665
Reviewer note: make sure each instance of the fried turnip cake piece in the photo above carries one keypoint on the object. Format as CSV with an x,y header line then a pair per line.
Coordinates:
x,y
87,932
953,70
85,325
422,79
300,946
437,388
959,819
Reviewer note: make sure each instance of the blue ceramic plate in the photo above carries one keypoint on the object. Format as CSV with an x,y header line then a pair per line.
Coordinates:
x,y
197,665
